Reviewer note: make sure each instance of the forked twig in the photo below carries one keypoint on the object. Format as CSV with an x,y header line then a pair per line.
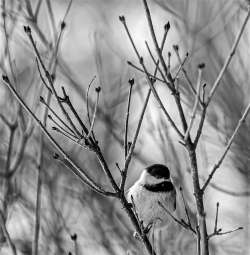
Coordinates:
x,y
149,80
180,222
56,115
142,71
217,231
131,148
181,66
75,169
181,63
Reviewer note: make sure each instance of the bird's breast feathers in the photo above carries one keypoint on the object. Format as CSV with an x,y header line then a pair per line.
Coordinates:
x,y
147,197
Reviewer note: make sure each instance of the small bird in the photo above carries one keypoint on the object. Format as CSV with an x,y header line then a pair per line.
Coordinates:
x,y
153,186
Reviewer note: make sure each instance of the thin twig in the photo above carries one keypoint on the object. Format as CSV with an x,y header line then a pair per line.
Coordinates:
x,y
180,222
196,103
216,217
198,240
131,83
62,128
69,136
52,19
176,50
136,214
57,116
220,233
181,66
131,149
37,9
41,76
219,162
229,57
75,169
169,60
157,65
158,50
21,148
50,80
40,162
98,89
186,208
201,124
149,80
6,234
67,100
87,98
141,70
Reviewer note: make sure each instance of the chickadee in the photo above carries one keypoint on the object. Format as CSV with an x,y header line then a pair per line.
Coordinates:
x,y
153,186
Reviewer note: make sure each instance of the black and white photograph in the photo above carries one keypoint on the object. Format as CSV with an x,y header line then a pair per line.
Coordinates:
x,y
124,127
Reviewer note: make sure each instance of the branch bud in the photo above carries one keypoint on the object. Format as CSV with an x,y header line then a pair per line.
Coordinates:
x,y
55,155
98,89
63,25
176,47
42,99
201,65
5,78
122,19
27,29
131,81
73,237
167,26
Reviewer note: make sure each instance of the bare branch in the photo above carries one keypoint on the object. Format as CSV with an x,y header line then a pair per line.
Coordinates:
x,y
158,50
180,222
181,66
6,234
49,78
75,169
216,217
131,148
157,65
57,116
219,162
220,233
62,128
94,114
87,98
229,57
131,83
150,82
186,209
196,103
141,70
41,76
176,50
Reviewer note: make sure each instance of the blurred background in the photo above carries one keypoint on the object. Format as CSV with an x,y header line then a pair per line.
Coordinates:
x,y
94,43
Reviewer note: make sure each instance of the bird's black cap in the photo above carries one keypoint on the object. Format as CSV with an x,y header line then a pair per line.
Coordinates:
x,y
158,171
